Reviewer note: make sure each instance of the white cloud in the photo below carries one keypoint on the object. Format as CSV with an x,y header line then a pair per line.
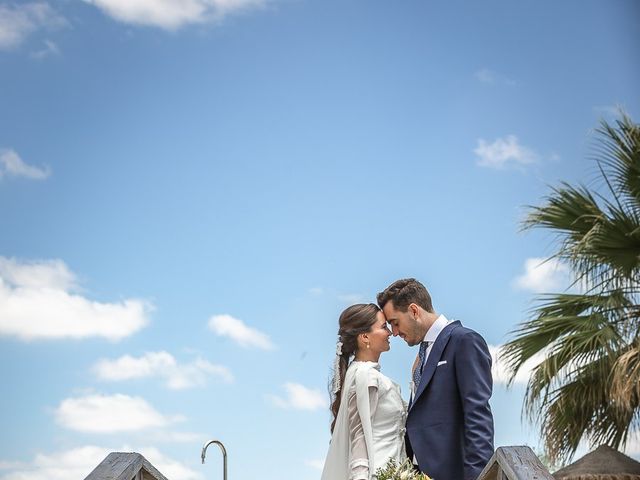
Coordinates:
x,y
10,465
178,437
110,413
228,326
300,397
169,467
317,464
543,276
162,365
491,77
38,274
38,301
504,152
316,291
17,22
499,370
50,49
74,463
12,165
78,462
172,14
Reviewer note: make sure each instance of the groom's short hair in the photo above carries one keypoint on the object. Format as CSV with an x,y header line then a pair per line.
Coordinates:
x,y
404,292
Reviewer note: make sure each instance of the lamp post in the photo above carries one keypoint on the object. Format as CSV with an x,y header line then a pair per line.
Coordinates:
x,y
224,454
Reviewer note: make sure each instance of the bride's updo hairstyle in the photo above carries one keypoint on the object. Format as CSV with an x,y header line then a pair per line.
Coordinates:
x,y
356,319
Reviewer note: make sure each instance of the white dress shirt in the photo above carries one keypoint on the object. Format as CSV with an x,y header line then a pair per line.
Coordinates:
x,y
431,336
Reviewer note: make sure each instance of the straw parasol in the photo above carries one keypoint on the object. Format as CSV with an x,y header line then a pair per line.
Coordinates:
x,y
604,463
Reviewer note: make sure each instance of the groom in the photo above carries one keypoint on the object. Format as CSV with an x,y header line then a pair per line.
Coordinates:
x,y
449,425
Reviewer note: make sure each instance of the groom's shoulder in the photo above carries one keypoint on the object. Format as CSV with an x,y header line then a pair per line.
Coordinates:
x,y
459,330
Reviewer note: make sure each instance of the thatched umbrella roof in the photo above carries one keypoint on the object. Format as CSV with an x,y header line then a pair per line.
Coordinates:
x,y
604,463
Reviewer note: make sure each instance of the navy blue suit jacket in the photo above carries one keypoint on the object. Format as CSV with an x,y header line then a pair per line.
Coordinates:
x,y
450,425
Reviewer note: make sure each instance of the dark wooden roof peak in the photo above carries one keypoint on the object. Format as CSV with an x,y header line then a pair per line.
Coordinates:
x,y
125,466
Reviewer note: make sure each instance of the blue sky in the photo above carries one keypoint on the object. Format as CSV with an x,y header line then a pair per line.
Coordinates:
x,y
191,191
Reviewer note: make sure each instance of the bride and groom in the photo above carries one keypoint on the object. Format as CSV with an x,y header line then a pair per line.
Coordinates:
x,y
447,427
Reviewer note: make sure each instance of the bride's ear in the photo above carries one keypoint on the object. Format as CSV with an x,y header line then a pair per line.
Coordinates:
x,y
363,339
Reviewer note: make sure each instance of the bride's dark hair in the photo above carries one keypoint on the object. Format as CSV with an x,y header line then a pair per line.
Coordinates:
x,y
356,319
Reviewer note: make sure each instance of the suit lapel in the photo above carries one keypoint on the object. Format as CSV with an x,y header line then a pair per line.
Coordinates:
x,y
434,358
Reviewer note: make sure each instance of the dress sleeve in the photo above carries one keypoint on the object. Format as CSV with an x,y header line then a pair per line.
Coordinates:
x,y
361,411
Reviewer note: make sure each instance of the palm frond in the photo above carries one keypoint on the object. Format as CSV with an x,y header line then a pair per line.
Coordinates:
x,y
625,376
569,211
586,384
566,324
619,153
582,408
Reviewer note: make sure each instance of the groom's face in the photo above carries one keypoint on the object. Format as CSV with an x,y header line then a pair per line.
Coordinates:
x,y
403,324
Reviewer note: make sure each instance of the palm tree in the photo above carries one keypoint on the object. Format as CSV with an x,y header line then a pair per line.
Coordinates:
x,y
587,387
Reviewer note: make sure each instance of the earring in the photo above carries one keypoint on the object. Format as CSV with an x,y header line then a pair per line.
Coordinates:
x,y
368,346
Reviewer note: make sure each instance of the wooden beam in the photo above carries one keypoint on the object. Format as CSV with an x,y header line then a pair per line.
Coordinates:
x,y
515,463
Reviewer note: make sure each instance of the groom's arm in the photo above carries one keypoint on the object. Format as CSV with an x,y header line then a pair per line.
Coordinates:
x,y
473,370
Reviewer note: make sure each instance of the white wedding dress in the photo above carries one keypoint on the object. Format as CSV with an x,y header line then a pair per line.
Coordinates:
x,y
370,425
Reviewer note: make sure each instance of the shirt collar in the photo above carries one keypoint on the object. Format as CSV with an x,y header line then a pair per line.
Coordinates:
x,y
436,328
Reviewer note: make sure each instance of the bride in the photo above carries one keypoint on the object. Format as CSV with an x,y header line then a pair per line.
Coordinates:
x,y
369,414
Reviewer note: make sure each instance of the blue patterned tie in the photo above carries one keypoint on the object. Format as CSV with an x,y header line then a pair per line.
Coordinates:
x,y
417,373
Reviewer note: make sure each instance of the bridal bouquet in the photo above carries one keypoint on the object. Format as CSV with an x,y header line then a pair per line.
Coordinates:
x,y
403,471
